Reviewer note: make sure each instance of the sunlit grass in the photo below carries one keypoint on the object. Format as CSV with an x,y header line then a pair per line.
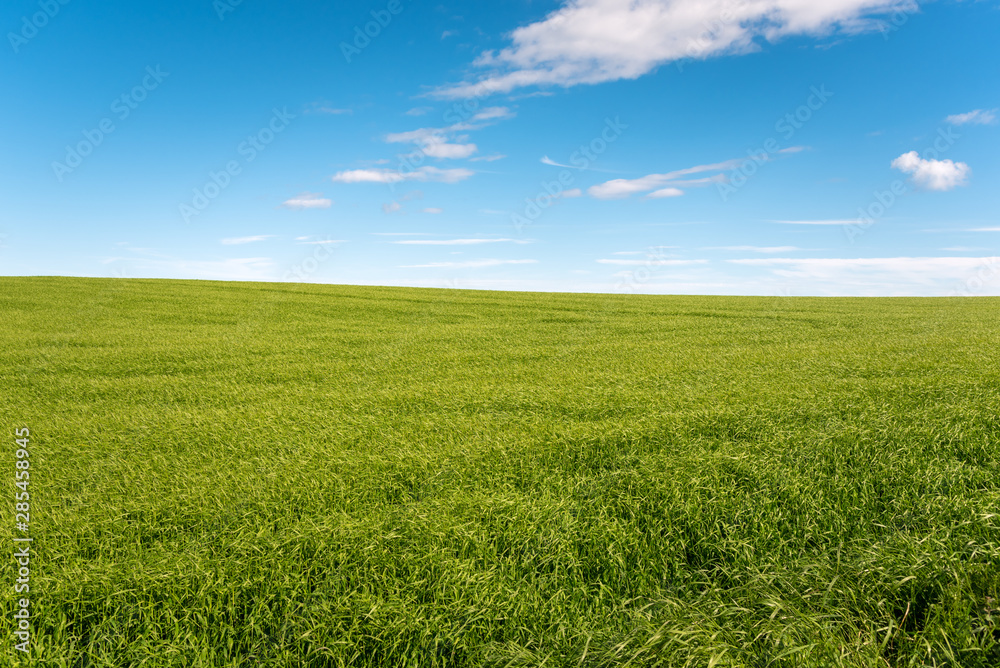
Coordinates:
x,y
234,474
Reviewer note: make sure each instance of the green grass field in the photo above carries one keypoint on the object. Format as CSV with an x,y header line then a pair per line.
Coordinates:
x,y
239,474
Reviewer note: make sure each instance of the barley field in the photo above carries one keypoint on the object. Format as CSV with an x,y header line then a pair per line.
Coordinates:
x,y
254,474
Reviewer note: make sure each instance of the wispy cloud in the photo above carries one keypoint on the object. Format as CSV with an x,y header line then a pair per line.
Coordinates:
x,y
318,242
469,264
493,114
326,108
668,184
651,261
881,275
446,150
307,201
236,241
815,222
910,265
665,192
546,160
457,242
232,269
393,176
445,143
654,251
975,117
757,249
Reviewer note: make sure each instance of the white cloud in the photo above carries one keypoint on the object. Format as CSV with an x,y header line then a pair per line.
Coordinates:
x,y
368,176
307,201
433,209
652,261
757,249
648,253
914,264
325,108
456,242
618,188
415,136
445,150
975,117
592,41
469,264
493,114
394,176
546,160
938,175
815,222
885,275
233,269
235,241
320,242
442,142
482,119
665,192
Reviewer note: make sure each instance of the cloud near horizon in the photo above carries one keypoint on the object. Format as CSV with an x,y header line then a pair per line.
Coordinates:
x,y
236,241
469,264
651,261
878,271
817,222
757,249
456,242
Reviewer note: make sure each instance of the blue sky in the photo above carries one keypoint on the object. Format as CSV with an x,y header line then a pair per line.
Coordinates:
x,y
771,147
